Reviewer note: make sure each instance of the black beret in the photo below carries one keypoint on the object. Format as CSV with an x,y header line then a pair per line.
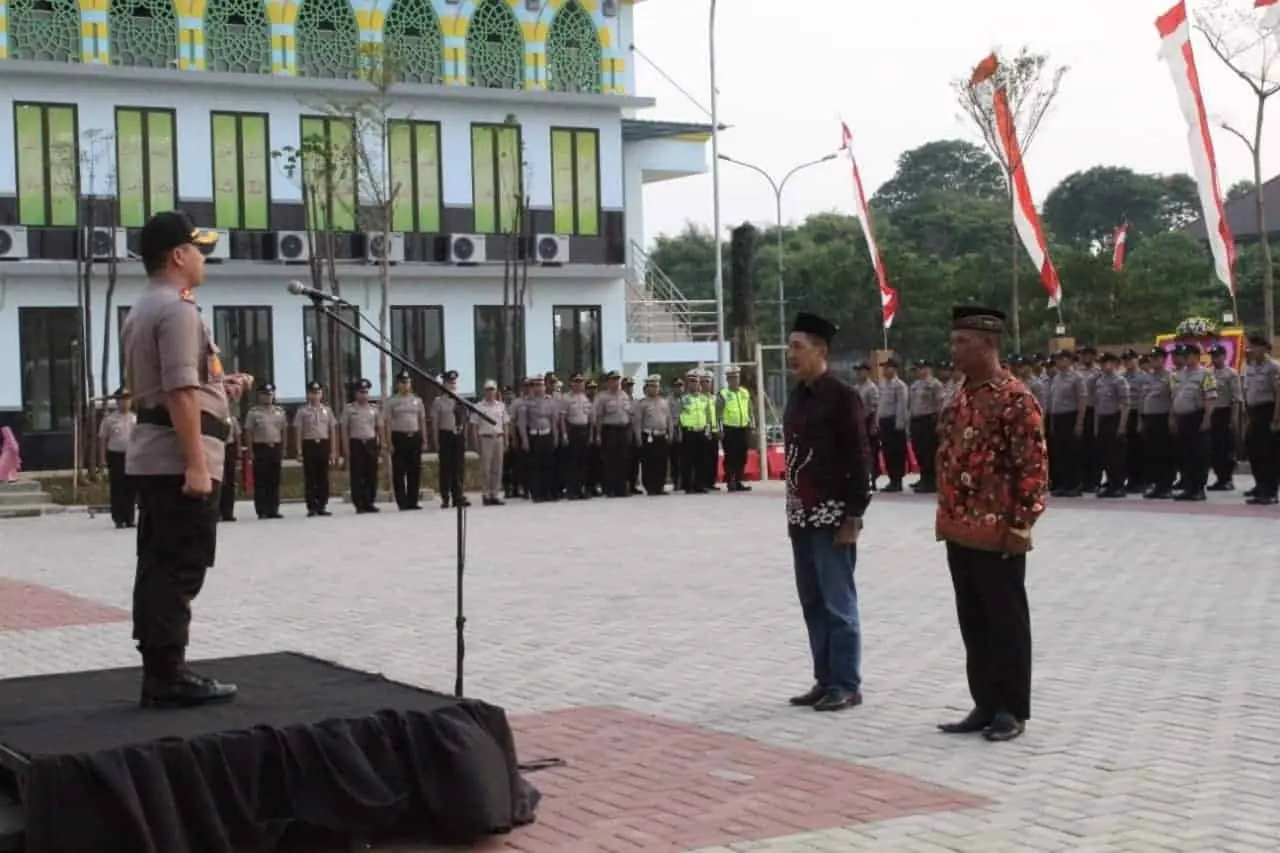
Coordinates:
x,y
923,362
1086,350
1065,353
313,386
889,362
977,318
862,365
1158,352
1190,349
363,385
1129,353
450,376
266,388
812,324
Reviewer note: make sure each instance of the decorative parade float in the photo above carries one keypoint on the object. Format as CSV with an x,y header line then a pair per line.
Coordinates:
x,y
1205,333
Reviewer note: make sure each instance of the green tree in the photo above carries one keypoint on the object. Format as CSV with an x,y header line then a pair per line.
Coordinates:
x,y
1239,190
1084,209
944,165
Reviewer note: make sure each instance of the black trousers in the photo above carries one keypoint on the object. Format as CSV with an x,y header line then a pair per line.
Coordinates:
x,y
1222,446
406,468
736,441
177,543
539,466
924,438
633,468
1193,451
513,470
654,455
124,497
227,493
266,479
1064,453
451,450
559,474
1090,454
576,455
710,462
893,443
615,459
1263,447
1135,453
676,459
874,447
315,472
1160,462
362,464
595,469
995,624
1112,450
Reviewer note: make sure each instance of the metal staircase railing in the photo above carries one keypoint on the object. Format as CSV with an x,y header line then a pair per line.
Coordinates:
x,y
658,311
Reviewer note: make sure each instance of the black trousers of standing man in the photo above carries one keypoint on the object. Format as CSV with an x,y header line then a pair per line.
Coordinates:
x,y
1090,454
1222,446
540,461
615,460
1065,461
406,468
1111,447
124,496
1135,454
451,449
1193,452
576,455
1264,449
893,443
227,493
1159,464
736,441
924,438
653,461
177,538
315,473
362,462
995,624
267,459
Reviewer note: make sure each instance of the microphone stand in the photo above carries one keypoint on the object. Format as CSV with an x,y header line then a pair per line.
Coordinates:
x,y
381,344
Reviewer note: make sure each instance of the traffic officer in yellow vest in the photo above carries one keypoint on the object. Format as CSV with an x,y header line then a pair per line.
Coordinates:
x,y
733,413
711,453
694,427
265,428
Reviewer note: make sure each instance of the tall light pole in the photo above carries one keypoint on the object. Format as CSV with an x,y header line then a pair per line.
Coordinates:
x,y
778,188
722,352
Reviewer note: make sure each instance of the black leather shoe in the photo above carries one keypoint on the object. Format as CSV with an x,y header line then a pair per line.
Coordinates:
x,y
323,513
1004,726
837,699
1184,496
973,723
1225,486
1250,493
1261,500
186,690
807,700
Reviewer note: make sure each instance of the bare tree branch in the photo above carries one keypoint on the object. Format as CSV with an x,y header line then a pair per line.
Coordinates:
x,y
1248,143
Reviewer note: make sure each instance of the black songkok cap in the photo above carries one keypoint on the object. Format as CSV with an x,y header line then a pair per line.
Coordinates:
x,y
977,319
812,324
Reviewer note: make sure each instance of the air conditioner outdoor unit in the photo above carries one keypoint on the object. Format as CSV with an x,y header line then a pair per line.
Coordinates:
x,y
106,244
221,250
13,243
380,247
466,249
609,8
551,249
292,247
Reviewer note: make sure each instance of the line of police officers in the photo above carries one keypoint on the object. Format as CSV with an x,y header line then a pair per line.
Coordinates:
x,y
901,415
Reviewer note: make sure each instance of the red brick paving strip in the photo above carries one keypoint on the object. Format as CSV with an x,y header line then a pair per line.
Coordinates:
x,y
31,607
636,783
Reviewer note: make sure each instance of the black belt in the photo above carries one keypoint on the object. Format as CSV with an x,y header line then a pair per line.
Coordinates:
x,y
212,426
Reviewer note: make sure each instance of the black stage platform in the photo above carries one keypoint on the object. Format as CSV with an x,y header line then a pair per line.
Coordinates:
x,y
311,753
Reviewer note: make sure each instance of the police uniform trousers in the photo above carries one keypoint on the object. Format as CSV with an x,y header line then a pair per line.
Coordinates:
x,y
362,463
1263,447
1222,445
736,441
653,455
406,468
227,493
633,466
124,496
874,446
1193,451
513,471
615,458
177,538
1064,453
449,465
1135,453
540,461
576,454
710,463
1090,455
266,479
1159,462
893,442
492,446
675,455
315,473
924,439
1111,447
595,469
995,624
559,474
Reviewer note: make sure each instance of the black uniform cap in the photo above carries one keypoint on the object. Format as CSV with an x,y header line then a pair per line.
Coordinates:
x,y
1259,341
1217,349
363,385
403,376
166,231
313,386
266,388
451,376
1108,356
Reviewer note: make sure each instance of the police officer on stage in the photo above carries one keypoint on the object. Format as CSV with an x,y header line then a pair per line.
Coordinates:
x,y
113,443
1225,421
537,428
360,438
404,421
924,402
449,424
575,415
315,427
175,453
652,425
733,413
892,419
1194,397
265,428
1111,418
227,497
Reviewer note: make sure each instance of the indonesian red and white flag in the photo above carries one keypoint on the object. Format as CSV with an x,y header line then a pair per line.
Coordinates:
x,y
1270,15
1118,240
888,296
1175,49
1026,221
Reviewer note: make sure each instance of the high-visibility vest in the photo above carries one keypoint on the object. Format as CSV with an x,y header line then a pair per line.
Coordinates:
x,y
709,401
737,407
693,414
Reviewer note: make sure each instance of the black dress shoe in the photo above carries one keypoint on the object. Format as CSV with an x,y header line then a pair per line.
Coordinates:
x,y
228,519
1262,500
1112,493
1185,496
1251,493
837,699
185,690
807,700
311,513
323,512
973,723
1225,486
1004,726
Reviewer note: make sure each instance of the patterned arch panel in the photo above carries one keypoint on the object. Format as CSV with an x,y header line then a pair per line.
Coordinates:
x,y
328,39
573,52
495,47
412,37
48,32
236,37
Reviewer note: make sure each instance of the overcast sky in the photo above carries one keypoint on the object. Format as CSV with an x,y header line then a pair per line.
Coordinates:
x,y
886,68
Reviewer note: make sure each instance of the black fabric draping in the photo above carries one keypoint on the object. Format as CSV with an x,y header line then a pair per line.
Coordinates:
x,y
361,758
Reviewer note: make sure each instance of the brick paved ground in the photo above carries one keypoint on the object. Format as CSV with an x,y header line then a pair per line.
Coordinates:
x,y
1157,693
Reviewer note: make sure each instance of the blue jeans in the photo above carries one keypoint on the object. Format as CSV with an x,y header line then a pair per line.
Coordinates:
x,y
829,601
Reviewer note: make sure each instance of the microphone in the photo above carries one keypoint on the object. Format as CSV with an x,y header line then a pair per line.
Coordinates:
x,y
297,288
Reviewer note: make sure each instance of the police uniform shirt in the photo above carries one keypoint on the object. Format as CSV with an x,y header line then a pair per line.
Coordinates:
x,y
1260,382
495,409
894,402
116,430
870,394
1137,380
265,424
613,408
576,409
314,423
404,412
1230,392
360,421
1195,390
1110,394
652,416
167,347
925,397
1038,385
513,410
1091,375
444,414
1067,393
538,416
1158,398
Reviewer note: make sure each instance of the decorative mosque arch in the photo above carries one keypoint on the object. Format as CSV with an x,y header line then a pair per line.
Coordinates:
x,y
414,41
144,33
237,37
495,47
573,51
44,30
328,40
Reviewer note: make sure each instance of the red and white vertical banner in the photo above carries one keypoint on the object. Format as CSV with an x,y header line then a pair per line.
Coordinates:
x,y
888,296
1270,15
1119,241
1026,220
1175,49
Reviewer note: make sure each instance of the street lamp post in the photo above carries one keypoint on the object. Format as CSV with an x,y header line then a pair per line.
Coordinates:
x,y
722,356
778,188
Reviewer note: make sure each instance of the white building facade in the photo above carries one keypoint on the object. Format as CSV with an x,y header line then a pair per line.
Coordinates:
x,y
503,156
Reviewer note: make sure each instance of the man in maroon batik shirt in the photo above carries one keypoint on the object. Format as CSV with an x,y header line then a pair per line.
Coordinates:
x,y
828,490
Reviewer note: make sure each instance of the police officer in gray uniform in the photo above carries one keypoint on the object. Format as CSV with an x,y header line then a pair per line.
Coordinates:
x,y
314,428
265,428
653,425
1160,462
924,404
175,453
1068,398
449,420
1262,397
1225,421
113,435
869,391
575,414
227,499
405,422
1090,459
1111,417
537,426
892,419
1194,396
360,438
1137,375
